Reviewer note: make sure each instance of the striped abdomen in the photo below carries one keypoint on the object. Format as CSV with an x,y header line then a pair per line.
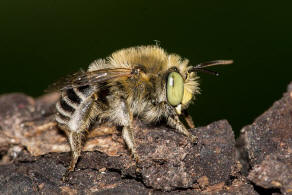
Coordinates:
x,y
74,107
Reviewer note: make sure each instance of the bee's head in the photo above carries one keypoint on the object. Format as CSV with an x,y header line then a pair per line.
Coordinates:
x,y
180,90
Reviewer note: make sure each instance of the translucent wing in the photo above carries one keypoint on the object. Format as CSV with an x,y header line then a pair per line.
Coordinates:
x,y
82,78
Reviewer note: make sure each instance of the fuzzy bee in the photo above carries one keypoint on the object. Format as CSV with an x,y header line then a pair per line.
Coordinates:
x,y
141,82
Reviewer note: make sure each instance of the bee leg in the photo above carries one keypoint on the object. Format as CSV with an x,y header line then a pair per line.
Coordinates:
x,y
188,119
128,132
174,122
75,140
124,117
128,136
77,128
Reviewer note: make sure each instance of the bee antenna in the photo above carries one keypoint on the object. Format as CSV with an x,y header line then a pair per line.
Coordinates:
x,y
206,71
201,67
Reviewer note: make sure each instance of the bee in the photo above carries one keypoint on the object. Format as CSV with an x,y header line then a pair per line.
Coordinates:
x,y
143,82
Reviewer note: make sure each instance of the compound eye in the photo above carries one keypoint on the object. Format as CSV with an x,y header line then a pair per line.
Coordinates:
x,y
174,88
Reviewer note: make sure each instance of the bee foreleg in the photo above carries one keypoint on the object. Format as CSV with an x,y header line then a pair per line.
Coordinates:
x,y
188,119
174,122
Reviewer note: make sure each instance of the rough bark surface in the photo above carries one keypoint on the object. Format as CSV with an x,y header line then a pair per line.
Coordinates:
x,y
266,146
34,155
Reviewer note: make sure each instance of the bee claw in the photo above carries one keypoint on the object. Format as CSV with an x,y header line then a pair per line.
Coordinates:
x,y
65,177
136,158
194,139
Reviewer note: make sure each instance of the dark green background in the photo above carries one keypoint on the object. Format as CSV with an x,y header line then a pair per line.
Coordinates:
x,y
41,41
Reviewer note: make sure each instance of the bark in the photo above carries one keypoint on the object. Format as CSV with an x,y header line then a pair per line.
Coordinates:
x,y
34,155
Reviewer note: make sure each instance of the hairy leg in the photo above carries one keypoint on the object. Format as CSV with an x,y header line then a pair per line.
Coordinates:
x,y
76,128
128,136
128,133
188,119
174,122
121,115
75,140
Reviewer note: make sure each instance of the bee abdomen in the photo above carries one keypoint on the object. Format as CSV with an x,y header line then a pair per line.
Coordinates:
x,y
72,104
72,97
83,92
64,110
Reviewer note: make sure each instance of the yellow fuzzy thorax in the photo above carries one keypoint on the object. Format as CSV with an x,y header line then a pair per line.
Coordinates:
x,y
155,59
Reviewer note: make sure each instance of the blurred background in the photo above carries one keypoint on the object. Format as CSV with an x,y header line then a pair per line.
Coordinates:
x,y
41,41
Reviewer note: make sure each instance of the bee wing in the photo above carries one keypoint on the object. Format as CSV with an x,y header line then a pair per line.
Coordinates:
x,y
82,78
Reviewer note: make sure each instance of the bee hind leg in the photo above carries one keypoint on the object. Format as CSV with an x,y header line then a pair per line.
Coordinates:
x,y
75,140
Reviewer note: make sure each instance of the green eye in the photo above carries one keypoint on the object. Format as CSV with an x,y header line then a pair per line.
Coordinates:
x,y
174,88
